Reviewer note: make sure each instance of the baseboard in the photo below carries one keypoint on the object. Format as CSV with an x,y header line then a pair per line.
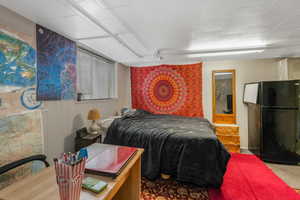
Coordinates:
x,y
245,151
244,148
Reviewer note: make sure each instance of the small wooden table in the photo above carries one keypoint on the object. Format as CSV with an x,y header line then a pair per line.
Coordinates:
x,y
84,139
42,186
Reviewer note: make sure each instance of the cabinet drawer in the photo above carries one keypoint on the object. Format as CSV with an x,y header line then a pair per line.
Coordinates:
x,y
233,148
229,139
227,130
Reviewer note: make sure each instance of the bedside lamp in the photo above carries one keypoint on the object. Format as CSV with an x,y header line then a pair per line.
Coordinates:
x,y
94,115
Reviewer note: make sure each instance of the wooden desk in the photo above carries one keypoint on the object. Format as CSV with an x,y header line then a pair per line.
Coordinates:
x,y
42,186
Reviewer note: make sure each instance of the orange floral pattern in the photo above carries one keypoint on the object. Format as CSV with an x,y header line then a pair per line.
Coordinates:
x,y
168,89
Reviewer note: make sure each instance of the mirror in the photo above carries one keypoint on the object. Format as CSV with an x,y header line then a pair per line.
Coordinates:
x,y
224,92
224,96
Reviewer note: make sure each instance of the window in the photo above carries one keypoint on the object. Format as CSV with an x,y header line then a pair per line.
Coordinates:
x,y
96,76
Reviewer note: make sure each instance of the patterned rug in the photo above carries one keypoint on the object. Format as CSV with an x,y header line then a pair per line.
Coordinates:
x,y
171,190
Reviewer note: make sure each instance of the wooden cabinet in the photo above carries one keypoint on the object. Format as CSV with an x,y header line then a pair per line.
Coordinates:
x,y
83,139
229,136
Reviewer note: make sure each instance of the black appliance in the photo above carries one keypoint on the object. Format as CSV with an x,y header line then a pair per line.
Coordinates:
x,y
274,120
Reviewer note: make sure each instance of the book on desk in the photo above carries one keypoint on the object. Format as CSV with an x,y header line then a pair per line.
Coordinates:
x,y
108,160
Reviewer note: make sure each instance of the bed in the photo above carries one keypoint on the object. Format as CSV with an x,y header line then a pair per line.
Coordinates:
x,y
185,148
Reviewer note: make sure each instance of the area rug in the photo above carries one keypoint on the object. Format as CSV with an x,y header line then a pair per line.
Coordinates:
x,y
171,190
248,178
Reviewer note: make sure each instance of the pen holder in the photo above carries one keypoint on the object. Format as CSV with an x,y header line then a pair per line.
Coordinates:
x,y
69,179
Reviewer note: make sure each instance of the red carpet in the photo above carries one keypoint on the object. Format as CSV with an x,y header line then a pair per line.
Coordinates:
x,y
248,178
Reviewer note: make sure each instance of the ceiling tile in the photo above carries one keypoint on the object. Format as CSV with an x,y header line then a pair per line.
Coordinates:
x,y
135,44
75,27
96,9
173,24
33,9
116,3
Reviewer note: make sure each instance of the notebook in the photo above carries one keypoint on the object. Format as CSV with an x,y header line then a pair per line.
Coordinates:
x,y
108,160
93,184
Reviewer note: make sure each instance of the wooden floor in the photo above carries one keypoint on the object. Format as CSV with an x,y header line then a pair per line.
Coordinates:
x,y
288,173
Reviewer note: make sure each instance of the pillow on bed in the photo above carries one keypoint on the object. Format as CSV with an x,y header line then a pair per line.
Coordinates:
x,y
134,112
125,111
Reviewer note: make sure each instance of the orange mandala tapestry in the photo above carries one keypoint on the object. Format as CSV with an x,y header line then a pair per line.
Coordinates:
x,y
168,89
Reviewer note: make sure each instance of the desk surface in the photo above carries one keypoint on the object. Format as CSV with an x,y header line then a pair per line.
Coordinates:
x,y
42,186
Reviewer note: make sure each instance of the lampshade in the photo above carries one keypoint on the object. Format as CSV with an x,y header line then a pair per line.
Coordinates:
x,y
93,114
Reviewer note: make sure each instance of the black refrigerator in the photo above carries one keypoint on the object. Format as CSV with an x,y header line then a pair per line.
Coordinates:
x,y
274,121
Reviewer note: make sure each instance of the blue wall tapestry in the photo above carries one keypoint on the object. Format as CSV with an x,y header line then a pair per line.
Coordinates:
x,y
17,64
56,66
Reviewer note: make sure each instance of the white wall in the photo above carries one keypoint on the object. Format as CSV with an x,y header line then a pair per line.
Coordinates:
x,y
11,20
283,70
289,69
246,71
293,68
62,118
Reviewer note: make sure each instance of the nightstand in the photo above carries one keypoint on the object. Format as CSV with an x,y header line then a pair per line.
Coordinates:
x,y
84,139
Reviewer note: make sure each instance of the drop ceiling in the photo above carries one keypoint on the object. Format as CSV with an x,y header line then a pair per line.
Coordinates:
x,y
142,31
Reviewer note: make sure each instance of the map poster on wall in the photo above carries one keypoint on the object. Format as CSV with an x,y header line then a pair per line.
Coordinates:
x,y
20,127
56,66
20,136
17,64
17,73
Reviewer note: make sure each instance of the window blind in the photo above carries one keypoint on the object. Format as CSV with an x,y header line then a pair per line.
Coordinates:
x,y
96,76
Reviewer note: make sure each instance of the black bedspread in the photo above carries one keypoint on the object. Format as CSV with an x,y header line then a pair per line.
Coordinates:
x,y
183,147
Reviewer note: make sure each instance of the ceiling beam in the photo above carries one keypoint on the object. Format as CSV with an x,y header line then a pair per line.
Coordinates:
x,y
98,37
128,28
84,13
93,37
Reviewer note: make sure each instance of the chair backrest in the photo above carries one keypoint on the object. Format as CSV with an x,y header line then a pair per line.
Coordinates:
x,y
23,161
